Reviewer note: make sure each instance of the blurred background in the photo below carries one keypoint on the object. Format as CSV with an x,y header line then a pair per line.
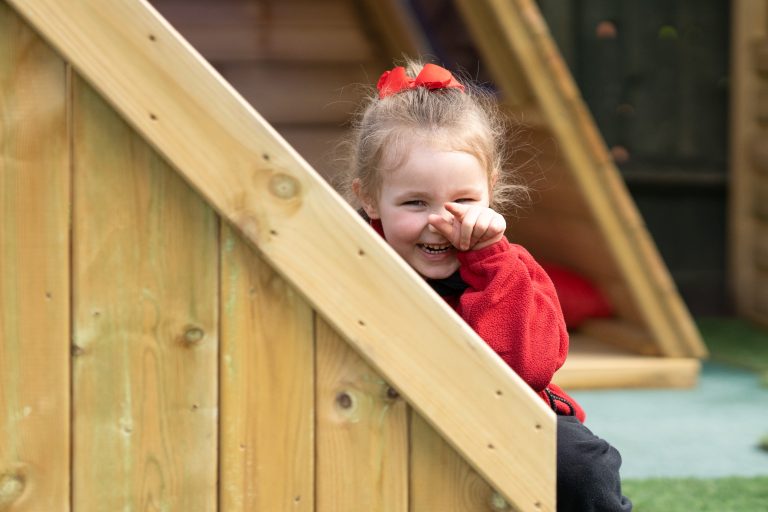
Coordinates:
x,y
655,75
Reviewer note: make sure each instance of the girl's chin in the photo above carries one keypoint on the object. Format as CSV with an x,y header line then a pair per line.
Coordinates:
x,y
434,272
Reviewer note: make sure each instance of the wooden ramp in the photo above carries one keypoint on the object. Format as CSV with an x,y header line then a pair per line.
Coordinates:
x,y
584,218
191,320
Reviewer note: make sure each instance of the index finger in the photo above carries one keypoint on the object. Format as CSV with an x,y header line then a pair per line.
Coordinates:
x,y
443,226
458,210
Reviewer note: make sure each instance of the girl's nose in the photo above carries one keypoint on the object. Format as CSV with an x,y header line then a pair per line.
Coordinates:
x,y
443,213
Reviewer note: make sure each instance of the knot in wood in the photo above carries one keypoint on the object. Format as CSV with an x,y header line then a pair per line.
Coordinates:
x,y
392,393
284,186
498,502
11,487
344,400
193,335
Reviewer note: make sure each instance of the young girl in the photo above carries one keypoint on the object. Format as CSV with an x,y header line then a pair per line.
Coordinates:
x,y
427,172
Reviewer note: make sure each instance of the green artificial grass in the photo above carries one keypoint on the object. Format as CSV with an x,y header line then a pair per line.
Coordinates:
x,y
737,342
735,494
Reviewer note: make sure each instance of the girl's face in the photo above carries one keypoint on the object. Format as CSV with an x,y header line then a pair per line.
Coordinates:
x,y
427,179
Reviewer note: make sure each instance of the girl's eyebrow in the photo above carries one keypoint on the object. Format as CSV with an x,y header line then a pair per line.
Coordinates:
x,y
412,194
469,191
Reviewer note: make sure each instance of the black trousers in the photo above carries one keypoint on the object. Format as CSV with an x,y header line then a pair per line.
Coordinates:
x,y
587,471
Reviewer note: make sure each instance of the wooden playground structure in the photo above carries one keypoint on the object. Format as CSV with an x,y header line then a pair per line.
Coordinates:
x,y
191,319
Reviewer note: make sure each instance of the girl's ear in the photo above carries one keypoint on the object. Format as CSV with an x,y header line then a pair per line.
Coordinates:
x,y
367,202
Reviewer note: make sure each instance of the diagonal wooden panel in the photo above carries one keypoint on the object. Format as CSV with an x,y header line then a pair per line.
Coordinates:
x,y
309,235
267,387
145,324
34,272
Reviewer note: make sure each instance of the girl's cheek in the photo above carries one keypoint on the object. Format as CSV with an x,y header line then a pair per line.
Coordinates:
x,y
408,224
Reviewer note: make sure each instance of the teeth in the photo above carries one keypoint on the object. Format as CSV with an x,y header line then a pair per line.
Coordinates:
x,y
434,249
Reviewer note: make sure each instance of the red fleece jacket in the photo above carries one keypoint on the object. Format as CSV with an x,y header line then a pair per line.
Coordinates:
x,y
512,304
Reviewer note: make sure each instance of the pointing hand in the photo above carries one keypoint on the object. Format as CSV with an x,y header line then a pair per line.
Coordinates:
x,y
472,227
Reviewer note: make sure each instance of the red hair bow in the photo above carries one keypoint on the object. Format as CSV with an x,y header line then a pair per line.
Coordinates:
x,y
431,76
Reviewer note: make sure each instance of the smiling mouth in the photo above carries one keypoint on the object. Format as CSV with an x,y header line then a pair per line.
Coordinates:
x,y
435,248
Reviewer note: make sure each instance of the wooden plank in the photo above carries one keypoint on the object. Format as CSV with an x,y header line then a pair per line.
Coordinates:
x,y
760,299
574,242
622,300
508,74
332,13
267,387
760,198
34,272
620,333
595,365
319,145
758,153
250,31
145,324
362,433
749,23
441,479
318,93
519,34
552,187
760,245
392,24
310,236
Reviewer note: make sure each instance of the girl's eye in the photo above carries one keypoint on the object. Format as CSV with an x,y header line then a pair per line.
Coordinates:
x,y
415,202
464,200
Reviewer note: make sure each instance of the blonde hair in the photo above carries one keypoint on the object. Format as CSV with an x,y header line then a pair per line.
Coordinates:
x,y
385,129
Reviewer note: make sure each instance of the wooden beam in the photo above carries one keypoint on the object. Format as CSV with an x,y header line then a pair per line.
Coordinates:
x,y
245,31
493,44
362,439
595,365
267,413
145,323
35,298
221,146
392,24
519,39
749,27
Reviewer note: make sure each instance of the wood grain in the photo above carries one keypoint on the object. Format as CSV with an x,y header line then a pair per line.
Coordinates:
x,y
34,272
749,26
145,324
309,235
267,386
441,479
595,365
362,433
284,31
317,93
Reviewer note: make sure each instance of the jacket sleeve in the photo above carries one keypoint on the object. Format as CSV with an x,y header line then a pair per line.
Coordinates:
x,y
512,304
